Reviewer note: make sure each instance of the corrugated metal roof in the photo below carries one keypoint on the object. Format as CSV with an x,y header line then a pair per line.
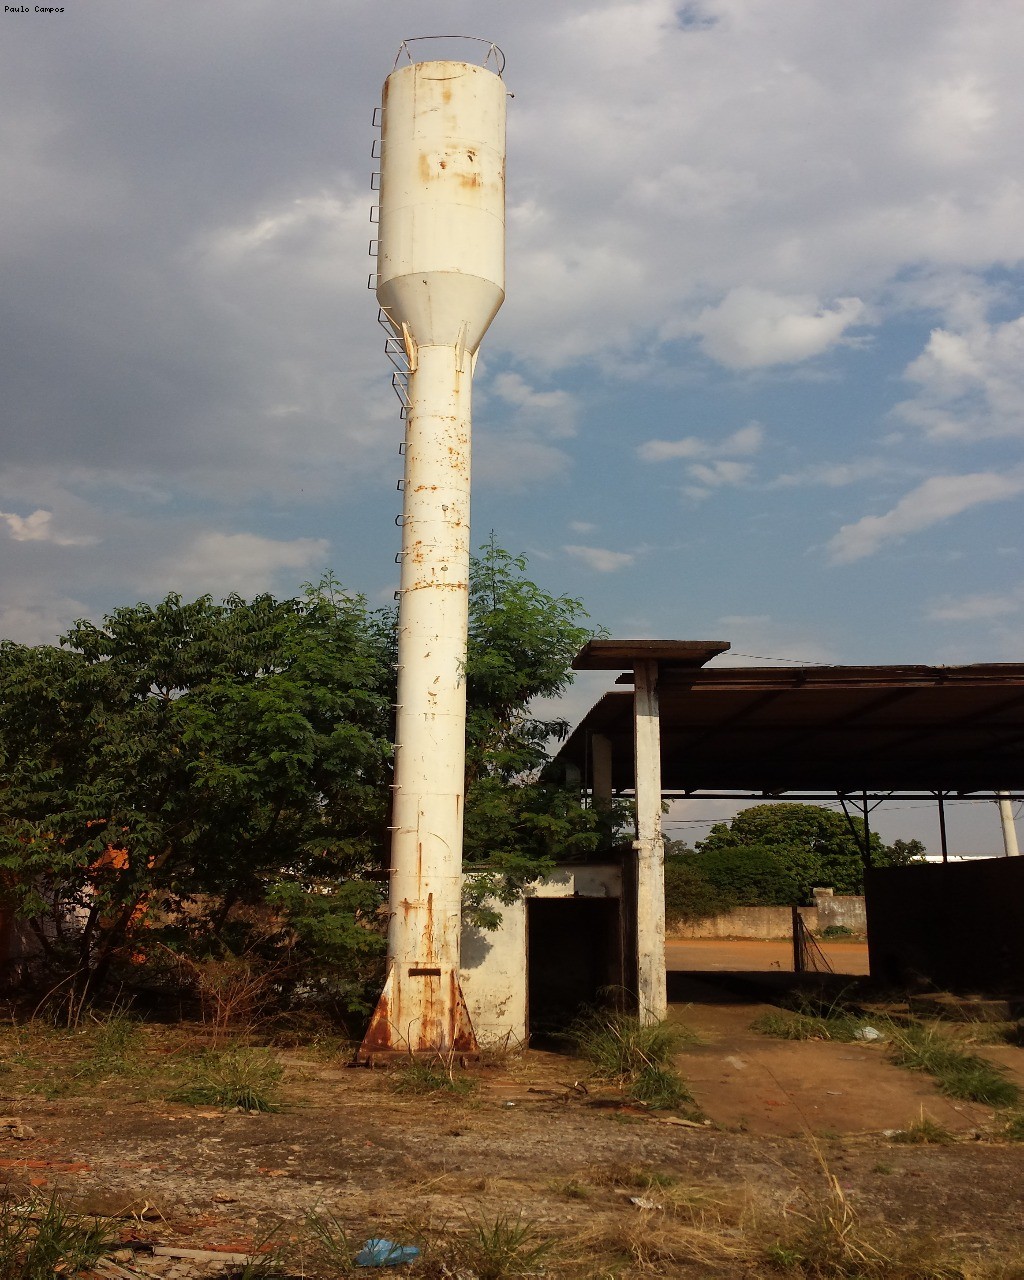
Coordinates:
x,y
761,729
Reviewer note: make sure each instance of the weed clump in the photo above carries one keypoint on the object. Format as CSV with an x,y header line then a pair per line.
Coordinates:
x,y
429,1075
634,1177
660,1088
959,1074
240,1078
491,1250
42,1239
811,1019
924,1132
331,1245
1014,1131
115,1037
638,1055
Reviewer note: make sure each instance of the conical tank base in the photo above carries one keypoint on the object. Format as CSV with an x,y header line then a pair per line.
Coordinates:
x,y
421,1012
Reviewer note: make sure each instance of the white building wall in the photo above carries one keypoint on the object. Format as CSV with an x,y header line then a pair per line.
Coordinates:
x,y
494,963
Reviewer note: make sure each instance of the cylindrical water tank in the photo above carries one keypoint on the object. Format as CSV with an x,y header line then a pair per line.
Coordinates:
x,y
441,247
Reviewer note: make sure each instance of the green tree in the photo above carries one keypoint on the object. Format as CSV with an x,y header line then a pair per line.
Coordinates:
x,y
815,847
519,822
190,755
522,641
198,760
689,894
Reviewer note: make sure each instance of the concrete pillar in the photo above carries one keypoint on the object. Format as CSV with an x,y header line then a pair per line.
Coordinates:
x,y
649,846
601,769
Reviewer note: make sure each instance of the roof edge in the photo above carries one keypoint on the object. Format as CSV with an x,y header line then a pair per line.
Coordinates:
x,y
618,655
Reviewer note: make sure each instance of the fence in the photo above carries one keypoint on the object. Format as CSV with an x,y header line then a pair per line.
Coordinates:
x,y
958,926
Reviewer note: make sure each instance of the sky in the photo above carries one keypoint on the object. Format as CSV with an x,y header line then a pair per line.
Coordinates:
x,y
759,375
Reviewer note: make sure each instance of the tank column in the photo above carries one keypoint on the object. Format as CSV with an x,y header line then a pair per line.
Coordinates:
x,y
440,281
425,897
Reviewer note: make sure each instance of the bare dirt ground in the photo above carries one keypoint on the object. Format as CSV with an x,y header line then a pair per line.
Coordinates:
x,y
798,1134
711,955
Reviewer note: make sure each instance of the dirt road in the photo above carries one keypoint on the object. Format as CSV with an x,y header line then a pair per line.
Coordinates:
x,y
712,955
622,1192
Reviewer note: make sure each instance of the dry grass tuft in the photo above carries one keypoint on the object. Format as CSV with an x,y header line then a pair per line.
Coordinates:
x,y
924,1132
827,1241
689,1227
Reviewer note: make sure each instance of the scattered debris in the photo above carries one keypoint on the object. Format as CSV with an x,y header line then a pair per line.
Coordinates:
x,y
15,1128
644,1202
385,1253
202,1255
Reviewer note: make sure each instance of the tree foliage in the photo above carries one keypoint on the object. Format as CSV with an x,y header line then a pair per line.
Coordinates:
x,y
522,640
191,763
689,895
775,855
183,756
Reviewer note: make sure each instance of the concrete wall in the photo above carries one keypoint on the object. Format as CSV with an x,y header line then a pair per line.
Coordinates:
x,y
958,927
837,911
829,911
494,973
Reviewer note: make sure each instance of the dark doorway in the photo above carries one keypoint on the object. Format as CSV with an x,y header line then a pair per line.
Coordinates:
x,y
574,957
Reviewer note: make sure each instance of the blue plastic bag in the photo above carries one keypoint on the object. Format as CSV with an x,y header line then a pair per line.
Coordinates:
x,y
385,1253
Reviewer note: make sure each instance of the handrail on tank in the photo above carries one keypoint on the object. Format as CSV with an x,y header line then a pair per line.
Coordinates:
x,y
493,51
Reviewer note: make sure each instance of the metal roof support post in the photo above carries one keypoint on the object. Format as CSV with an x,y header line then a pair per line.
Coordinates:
x,y
649,845
1009,830
601,766
942,826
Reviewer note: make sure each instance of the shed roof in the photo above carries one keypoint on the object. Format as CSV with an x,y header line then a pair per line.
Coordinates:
x,y
771,730
614,655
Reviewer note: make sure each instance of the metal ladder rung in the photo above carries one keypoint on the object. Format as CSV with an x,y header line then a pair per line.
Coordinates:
x,y
394,349
401,388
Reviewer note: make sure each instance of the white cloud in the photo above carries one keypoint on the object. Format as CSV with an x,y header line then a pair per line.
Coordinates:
x,y
832,475
184,297
970,382
38,527
224,562
978,608
722,472
937,499
600,559
582,526
953,118
552,412
663,450
35,614
752,328
746,440
513,462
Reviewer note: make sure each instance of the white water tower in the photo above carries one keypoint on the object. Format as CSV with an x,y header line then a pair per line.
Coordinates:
x,y
440,280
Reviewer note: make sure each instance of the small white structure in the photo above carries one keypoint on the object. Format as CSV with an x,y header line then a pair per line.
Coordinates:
x,y
575,938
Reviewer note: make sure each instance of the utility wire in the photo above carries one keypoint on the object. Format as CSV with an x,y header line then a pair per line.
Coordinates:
x,y
797,662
